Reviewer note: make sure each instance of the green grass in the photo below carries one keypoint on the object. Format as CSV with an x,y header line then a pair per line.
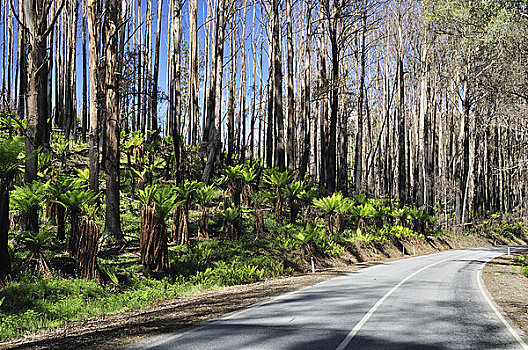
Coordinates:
x,y
30,303
522,260
33,303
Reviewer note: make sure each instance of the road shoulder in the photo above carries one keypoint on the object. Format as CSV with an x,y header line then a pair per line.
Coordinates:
x,y
509,288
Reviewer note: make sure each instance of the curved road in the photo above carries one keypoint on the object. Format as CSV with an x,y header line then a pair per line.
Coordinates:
x,y
429,302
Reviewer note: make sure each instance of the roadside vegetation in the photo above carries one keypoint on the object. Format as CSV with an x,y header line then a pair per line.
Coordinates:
x,y
179,238
522,260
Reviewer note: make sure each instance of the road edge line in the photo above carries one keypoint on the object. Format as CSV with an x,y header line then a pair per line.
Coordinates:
x,y
499,312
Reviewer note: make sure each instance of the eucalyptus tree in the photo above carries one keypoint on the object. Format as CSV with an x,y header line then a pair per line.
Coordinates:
x,y
112,121
36,23
94,10
212,127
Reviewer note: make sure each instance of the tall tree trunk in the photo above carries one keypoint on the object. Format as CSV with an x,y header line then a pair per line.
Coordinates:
x,y
305,95
242,106
92,8
194,109
333,29
140,101
323,103
9,58
358,158
215,93
155,76
209,58
37,133
176,86
147,76
22,59
277,87
113,219
85,78
402,130
291,99
270,106
231,101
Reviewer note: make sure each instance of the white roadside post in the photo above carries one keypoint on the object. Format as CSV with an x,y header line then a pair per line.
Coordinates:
x,y
313,265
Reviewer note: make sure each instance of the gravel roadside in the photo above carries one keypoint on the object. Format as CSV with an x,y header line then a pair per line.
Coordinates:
x,y
509,288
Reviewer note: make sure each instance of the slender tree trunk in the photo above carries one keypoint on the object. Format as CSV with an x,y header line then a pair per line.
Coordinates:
x,y
231,101
270,104
253,92
92,9
215,99
155,77
242,106
147,73
85,78
291,99
140,101
402,130
207,75
176,88
194,109
305,95
37,133
22,59
9,58
277,87
358,158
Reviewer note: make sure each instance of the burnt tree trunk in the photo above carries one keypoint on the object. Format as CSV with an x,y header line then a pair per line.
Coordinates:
x,y
92,8
113,219
87,252
153,242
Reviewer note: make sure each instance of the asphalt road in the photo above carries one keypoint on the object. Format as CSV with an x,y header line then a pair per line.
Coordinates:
x,y
429,302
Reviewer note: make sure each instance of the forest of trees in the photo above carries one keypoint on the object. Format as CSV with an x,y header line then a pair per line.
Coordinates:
x,y
423,101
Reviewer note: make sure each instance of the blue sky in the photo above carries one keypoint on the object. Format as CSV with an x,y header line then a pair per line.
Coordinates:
x,y
202,16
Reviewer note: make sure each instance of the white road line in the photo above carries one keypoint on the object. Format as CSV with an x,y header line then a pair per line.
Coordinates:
x,y
373,309
497,312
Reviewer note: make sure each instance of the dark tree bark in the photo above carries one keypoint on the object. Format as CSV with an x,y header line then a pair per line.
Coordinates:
x,y
213,132
153,242
277,87
92,9
113,218
175,87
37,133
358,158
85,82
87,253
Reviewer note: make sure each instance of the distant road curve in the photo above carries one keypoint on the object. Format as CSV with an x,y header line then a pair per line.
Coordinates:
x,y
430,302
